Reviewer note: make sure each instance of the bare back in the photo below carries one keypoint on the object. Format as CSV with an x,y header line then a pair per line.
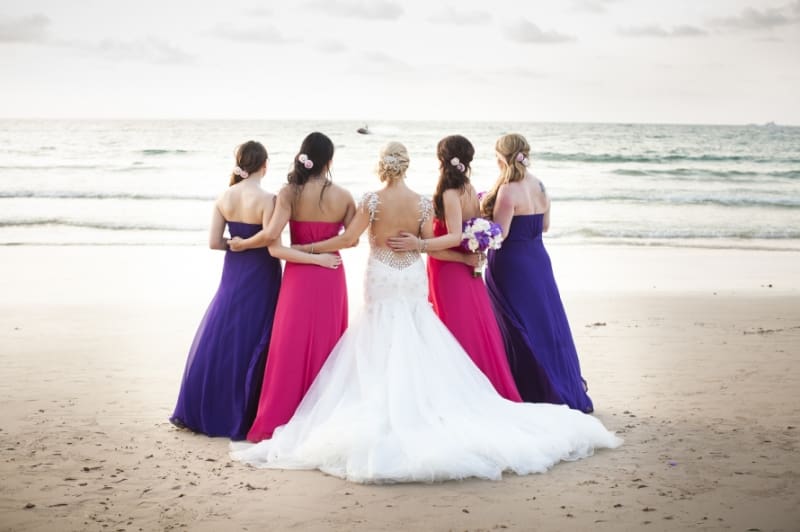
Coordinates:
x,y
470,206
246,202
310,203
398,209
529,196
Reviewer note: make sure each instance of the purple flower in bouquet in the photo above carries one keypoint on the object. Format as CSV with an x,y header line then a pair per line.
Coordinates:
x,y
479,235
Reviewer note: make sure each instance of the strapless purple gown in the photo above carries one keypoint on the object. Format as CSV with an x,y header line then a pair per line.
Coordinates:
x,y
535,329
222,381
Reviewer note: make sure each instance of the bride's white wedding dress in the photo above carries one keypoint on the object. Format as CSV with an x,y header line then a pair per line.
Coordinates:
x,y
399,400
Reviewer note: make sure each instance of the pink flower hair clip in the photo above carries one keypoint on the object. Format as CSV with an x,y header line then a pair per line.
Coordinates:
x,y
305,161
522,159
241,173
458,164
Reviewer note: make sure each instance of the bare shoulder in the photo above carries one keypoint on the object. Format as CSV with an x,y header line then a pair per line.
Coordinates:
x,y
507,189
286,190
267,197
341,193
225,197
286,194
451,194
267,201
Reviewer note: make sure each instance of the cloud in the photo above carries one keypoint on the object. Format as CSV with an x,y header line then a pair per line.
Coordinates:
x,y
658,31
149,50
592,6
373,10
525,31
259,11
261,35
755,19
32,28
331,46
459,17
382,63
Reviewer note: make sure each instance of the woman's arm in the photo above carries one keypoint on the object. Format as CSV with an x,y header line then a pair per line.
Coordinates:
x,y
470,259
349,238
326,260
216,232
503,209
273,223
452,215
350,213
546,220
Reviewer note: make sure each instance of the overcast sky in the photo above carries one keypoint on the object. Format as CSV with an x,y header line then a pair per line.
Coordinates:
x,y
690,61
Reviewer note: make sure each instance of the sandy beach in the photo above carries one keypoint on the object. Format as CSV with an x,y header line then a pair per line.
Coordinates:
x,y
692,355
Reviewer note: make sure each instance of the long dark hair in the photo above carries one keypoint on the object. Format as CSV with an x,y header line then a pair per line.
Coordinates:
x,y
451,176
250,157
318,149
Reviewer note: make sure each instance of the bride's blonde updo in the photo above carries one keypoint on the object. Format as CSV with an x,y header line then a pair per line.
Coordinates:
x,y
392,162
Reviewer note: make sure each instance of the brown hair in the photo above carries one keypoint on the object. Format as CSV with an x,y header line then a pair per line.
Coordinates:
x,y
318,149
508,147
250,157
450,176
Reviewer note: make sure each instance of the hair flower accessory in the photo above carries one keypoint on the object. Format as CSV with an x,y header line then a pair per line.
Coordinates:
x,y
305,161
392,163
522,159
241,173
458,164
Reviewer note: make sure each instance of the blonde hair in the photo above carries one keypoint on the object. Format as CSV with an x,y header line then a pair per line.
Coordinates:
x,y
393,161
509,147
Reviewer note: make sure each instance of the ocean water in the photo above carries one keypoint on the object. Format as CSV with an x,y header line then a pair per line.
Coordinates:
x,y
154,182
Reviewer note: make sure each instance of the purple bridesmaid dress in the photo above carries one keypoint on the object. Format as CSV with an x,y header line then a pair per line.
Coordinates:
x,y
538,339
222,381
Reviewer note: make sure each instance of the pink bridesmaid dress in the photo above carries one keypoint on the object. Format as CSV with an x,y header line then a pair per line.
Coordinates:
x,y
462,303
310,317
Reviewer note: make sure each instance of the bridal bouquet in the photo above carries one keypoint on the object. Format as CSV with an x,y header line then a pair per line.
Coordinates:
x,y
479,235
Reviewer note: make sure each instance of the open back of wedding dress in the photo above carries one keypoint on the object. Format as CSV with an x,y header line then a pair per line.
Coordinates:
x,y
399,400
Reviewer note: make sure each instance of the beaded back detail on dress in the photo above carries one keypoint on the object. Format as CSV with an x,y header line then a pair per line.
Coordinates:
x,y
398,260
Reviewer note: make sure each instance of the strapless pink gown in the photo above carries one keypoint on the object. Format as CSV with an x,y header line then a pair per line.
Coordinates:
x,y
310,317
462,302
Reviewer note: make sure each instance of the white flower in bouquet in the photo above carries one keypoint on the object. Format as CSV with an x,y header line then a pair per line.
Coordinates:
x,y
479,235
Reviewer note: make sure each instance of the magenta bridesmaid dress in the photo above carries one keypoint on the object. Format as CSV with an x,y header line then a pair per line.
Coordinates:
x,y
310,317
462,303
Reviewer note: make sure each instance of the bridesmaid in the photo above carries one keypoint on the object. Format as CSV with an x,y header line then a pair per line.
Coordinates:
x,y
459,298
523,289
222,380
311,313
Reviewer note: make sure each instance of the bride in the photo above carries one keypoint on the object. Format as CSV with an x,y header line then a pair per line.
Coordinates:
x,y
399,400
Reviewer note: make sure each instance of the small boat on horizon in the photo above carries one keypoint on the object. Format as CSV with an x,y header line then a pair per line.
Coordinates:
x,y
364,130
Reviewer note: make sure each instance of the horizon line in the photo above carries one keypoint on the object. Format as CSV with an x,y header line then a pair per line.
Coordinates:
x,y
389,120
